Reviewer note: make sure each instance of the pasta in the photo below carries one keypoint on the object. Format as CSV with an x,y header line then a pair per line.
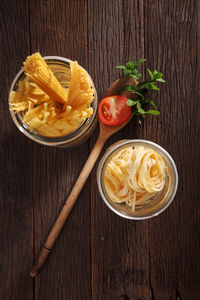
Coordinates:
x,y
39,101
36,68
133,176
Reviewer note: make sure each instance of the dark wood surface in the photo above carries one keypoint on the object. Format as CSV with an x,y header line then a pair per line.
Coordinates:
x,y
98,255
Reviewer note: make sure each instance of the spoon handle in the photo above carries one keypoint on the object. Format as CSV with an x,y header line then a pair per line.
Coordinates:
x,y
68,205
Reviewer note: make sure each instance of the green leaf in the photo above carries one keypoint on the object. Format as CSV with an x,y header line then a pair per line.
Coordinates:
x,y
160,80
158,75
151,74
130,65
131,102
127,72
153,112
138,75
135,71
133,76
139,62
140,109
147,86
120,67
130,69
154,87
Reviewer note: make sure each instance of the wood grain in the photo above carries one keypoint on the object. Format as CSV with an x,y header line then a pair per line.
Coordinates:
x,y
100,256
171,47
16,251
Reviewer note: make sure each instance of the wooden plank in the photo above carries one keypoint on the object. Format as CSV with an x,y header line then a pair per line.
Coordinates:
x,y
171,47
105,257
61,30
120,259
16,163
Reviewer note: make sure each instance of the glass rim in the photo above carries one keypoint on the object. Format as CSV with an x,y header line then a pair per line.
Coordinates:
x,y
61,140
143,142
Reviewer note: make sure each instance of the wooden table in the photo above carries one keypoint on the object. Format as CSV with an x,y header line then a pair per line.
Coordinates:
x,y
99,255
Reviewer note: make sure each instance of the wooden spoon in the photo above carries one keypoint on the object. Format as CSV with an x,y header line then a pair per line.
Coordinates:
x,y
105,132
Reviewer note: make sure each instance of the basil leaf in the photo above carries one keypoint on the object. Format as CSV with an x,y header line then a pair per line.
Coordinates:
x,y
151,74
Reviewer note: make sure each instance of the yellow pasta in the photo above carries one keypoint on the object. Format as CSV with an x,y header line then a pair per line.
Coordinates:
x,y
27,95
38,107
133,176
80,92
36,68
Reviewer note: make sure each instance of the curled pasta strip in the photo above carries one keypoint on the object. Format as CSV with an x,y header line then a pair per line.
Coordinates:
x,y
133,176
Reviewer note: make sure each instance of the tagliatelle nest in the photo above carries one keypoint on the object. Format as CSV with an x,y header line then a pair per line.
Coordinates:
x,y
134,175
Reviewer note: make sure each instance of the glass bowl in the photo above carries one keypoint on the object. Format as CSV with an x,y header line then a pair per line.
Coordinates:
x,y
60,67
152,207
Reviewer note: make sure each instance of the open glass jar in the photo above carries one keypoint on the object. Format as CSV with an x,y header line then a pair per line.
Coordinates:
x,y
155,205
60,67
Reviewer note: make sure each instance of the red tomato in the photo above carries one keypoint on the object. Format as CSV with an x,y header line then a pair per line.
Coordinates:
x,y
113,110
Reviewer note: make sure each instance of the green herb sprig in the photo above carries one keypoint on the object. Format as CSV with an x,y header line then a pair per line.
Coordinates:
x,y
140,91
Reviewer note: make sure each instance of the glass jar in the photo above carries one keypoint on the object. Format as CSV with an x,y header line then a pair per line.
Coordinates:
x,y
61,69
152,207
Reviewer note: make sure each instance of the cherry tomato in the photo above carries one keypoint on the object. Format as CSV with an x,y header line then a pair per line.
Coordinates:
x,y
113,110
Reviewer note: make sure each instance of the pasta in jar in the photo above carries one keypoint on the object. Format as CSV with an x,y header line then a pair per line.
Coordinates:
x,y
45,106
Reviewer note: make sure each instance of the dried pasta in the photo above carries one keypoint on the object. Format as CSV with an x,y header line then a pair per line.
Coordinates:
x,y
36,68
133,176
48,117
